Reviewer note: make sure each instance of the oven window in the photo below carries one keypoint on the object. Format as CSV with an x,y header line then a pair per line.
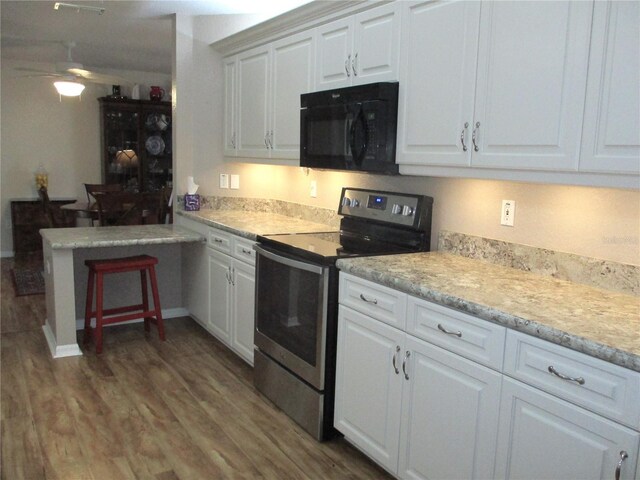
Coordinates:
x,y
289,307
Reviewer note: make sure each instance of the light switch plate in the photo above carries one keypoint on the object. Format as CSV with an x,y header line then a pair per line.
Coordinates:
x,y
235,182
508,212
224,180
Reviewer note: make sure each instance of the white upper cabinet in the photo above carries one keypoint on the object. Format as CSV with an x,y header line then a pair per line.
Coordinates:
x,y
293,67
438,73
494,84
253,102
230,105
262,98
531,81
611,134
360,49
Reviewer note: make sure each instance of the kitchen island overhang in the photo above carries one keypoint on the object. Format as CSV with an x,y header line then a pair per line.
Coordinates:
x,y
64,252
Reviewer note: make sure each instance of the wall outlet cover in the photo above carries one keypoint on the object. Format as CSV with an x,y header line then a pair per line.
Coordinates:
x,y
224,180
235,182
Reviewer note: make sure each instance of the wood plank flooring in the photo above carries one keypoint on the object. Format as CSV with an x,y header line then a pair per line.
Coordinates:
x,y
144,409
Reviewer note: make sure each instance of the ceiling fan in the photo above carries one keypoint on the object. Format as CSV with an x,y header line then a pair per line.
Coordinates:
x,y
71,73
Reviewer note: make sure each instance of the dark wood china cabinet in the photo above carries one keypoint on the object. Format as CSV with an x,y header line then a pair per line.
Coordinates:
x,y
136,143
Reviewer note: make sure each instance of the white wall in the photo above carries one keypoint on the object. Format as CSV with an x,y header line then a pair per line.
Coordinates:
x,y
64,136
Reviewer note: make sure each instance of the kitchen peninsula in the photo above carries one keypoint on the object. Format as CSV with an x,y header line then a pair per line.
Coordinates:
x,y
65,250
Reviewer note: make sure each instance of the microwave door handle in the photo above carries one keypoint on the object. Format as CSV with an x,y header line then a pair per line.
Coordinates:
x,y
365,141
352,138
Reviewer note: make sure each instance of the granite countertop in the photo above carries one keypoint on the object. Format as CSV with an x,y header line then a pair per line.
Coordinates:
x,y
251,224
598,322
92,237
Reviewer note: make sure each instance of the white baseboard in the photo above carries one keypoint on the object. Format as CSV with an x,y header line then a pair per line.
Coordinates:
x,y
59,351
166,314
6,254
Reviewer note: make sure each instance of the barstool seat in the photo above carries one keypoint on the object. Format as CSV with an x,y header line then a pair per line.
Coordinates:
x,y
97,270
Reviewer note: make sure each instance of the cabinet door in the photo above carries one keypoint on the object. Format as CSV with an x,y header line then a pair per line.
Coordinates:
x,y
243,303
293,63
253,102
376,48
531,81
230,105
438,73
541,436
334,42
611,135
219,294
368,387
450,409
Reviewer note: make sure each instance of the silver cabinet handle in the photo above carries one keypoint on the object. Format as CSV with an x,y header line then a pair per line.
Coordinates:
x,y
231,282
233,140
354,65
227,274
395,367
578,380
271,139
449,332
246,251
474,136
623,456
462,135
217,240
407,354
374,301
266,139
347,64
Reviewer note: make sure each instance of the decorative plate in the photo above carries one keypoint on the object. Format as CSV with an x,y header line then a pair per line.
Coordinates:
x,y
154,145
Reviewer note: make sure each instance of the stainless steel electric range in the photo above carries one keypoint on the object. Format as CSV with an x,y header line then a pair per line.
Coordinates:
x,y
297,297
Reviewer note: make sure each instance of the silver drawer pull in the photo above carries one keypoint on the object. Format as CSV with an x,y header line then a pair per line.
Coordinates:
x,y
578,380
246,251
449,332
374,301
217,240
407,354
623,456
395,367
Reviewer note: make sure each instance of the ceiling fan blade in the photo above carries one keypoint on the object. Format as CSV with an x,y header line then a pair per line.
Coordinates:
x,y
99,77
34,70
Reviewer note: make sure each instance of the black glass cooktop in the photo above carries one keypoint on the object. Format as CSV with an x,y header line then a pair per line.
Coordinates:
x,y
329,246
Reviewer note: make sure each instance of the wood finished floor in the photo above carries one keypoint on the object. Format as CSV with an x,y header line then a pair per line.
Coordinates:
x,y
144,409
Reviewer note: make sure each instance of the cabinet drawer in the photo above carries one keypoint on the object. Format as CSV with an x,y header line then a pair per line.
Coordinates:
x,y
599,386
377,301
243,250
219,240
470,337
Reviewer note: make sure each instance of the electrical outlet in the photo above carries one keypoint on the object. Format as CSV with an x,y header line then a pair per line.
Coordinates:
x,y
235,182
313,189
224,180
508,212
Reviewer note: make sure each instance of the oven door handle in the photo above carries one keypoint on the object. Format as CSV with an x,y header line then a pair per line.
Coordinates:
x,y
288,261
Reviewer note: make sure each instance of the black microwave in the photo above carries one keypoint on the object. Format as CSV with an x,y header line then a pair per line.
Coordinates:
x,y
352,128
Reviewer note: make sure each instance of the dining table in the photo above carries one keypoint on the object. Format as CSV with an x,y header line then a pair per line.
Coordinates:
x,y
86,212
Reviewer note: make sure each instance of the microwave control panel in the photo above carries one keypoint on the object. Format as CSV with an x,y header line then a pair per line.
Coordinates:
x,y
388,207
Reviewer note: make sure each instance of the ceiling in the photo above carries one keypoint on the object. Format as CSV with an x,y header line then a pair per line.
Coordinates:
x,y
129,35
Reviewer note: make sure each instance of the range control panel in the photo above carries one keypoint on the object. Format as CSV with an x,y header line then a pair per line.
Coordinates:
x,y
389,207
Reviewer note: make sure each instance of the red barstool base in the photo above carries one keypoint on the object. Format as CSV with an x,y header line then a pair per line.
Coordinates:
x,y
97,269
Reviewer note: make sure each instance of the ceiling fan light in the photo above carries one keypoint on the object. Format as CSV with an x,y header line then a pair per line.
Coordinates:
x,y
69,89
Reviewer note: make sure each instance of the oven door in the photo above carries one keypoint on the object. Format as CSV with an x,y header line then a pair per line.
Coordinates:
x,y
291,313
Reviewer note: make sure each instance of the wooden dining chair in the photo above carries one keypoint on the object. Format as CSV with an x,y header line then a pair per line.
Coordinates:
x,y
119,208
55,217
93,188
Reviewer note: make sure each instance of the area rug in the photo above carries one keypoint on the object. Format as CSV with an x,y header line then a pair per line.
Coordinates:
x,y
27,281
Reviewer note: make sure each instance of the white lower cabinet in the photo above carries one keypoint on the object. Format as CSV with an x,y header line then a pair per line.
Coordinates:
x,y
544,437
416,409
369,386
220,286
450,409
448,395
